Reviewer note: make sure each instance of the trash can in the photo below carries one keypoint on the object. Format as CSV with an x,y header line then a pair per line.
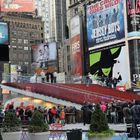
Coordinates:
x,y
74,134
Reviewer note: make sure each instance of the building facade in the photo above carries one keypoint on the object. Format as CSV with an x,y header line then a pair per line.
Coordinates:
x,y
24,31
53,13
111,37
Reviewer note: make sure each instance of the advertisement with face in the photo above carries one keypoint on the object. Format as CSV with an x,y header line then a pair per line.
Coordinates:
x,y
105,21
4,35
76,60
17,6
45,56
110,63
133,17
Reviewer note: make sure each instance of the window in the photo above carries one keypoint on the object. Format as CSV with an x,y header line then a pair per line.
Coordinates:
x,y
26,41
20,47
14,46
26,63
26,48
13,40
19,41
26,56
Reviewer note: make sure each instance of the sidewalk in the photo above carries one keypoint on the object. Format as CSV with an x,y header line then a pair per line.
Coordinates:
x,y
116,127
120,128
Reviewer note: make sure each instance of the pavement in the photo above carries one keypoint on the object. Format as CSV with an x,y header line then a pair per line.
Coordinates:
x,y
119,135
116,127
66,134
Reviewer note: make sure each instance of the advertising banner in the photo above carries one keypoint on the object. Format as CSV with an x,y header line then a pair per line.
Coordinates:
x,y
14,74
110,63
133,17
105,21
45,56
134,49
17,6
76,58
4,36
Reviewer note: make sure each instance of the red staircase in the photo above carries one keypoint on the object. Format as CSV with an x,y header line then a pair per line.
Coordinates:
x,y
76,93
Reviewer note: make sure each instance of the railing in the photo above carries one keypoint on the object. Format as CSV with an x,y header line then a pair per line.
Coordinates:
x,y
61,78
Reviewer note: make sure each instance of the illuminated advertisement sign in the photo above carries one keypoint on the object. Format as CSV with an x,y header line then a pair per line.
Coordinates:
x,y
17,5
4,36
105,21
110,62
45,56
133,17
76,60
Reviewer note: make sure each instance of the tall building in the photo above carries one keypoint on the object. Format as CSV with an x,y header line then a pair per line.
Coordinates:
x,y
24,31
53,13
43,10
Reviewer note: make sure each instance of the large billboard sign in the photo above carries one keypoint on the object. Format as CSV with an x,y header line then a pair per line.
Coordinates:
x,y
133,17
4,34
44,56
17,6
110,62
134,49
105,21
76,53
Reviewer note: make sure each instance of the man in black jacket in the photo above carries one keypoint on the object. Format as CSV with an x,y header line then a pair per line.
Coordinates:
x,y
135,111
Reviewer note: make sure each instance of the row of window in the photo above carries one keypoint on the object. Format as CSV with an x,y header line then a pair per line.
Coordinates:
x,y
20,56
19,41
25,34
26,48
25,25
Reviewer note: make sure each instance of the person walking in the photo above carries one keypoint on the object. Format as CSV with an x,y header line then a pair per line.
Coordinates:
x,y
42,76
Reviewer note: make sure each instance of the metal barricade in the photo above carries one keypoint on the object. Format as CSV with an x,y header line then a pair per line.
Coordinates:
x,y
24,135
56,132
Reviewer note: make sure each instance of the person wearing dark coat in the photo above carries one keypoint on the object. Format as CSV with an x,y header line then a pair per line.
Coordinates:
x,y
135,111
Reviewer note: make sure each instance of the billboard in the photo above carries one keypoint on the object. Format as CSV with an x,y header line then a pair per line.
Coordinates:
x,y
109,62
17,6
76,54
44,56
4,33
133,17
14,74
134,49
105,21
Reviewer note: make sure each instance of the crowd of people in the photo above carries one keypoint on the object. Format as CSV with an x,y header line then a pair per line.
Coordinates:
x,y
104,81
116,112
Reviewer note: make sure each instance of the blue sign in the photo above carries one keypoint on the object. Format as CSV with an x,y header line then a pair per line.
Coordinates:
x,y
105,22
4,36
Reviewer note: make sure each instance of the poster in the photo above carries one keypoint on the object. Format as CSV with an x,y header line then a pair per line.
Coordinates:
x,y
109,62
76,50
4,35
105,21
133,17
134,49
17,6
45,56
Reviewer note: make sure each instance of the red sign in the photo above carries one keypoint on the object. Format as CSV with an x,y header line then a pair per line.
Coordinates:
x,y
76,56
121,88
17,6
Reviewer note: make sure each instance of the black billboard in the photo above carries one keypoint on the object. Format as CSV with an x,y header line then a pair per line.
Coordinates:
x,y
134,59
4,53
133,17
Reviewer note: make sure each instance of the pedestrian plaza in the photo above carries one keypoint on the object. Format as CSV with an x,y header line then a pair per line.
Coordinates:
x,y
62,134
